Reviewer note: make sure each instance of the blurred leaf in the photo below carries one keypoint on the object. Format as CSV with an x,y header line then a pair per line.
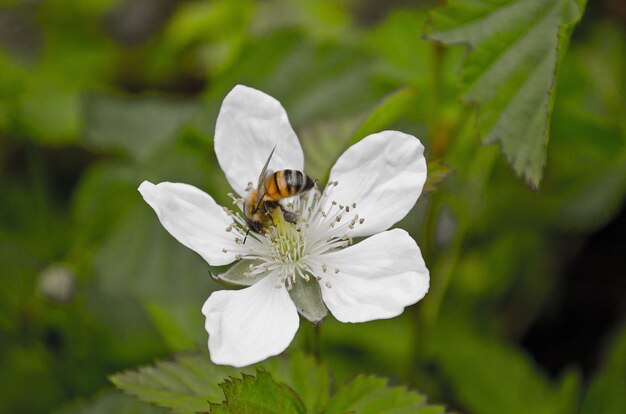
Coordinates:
x,y
200,37
437,173
323,142
359,345
406,55
385,113
319,19
184,385
44,94
257,394
511,70
102,198
370,394
587,177
606,392
330,78
491,377
111,403
137,126
179,325
141,259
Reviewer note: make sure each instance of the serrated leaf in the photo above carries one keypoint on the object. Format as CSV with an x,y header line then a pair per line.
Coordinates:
x,y
370,394
258,394
184,385
310,379
511,70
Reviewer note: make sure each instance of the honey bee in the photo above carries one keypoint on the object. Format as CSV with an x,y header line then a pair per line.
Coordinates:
x,y
271,188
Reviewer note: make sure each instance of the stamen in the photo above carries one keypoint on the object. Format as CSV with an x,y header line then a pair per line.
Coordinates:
x,y
289,252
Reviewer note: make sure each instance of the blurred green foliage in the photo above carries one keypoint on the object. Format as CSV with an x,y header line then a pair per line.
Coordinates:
x,y
98,95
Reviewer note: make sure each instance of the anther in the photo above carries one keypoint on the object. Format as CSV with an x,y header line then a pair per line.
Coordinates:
x,y
324,268
347,209
336,270
224,251
238,256
328,285
361,221
353,205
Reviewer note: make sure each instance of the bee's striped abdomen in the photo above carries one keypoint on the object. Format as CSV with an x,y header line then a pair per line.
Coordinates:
x,y
287,183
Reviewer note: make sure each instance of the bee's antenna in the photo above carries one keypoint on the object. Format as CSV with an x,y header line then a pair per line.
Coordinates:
x,y
244,239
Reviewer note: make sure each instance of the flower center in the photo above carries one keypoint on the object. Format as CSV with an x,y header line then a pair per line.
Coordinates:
x,y
287,240
290,251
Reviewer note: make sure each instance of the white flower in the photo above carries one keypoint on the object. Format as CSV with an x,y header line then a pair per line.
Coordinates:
x,y
292,269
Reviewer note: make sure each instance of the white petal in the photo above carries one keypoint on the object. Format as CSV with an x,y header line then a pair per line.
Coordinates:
x,y
377,277
249,125
193,218
249,325
383,174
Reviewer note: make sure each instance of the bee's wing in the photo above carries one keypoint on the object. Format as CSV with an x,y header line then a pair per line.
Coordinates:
x,y
260,188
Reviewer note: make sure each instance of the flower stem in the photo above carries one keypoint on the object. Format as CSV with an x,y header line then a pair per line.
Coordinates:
x,y
317,341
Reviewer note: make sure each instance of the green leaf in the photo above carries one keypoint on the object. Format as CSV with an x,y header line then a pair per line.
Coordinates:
x,y
178,324
257,394
511,69
390,109
184,385
110,402
139,125
323,142
476,366
437,173
606,393
309,378
370,394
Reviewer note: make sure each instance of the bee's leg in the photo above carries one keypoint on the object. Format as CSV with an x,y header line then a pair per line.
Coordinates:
x,y
289,216
267,209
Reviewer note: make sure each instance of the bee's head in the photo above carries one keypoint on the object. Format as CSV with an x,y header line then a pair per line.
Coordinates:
x,y
254,225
